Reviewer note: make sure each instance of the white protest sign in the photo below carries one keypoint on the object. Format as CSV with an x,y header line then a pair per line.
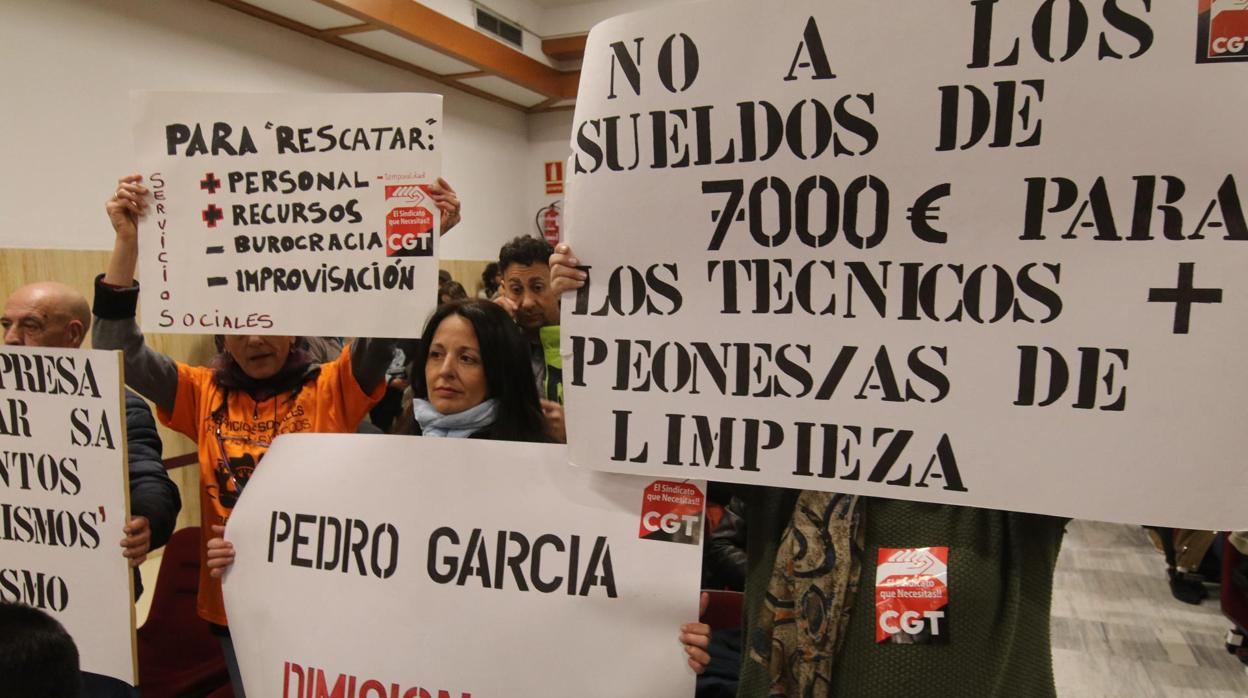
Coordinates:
x,y
298,214
381,566
976,253
64,498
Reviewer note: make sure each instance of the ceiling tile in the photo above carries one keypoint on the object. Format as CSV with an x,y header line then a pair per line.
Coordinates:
x,y
410,51
313,14
506,89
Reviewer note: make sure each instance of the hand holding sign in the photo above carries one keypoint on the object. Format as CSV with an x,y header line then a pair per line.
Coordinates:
x,y
564,274
125,207
220,552
447,201
696,638
138,540
127,204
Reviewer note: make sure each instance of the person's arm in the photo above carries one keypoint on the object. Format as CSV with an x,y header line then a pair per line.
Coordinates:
x,y
725,548
447,201
220,553
154,499
564,275
125,207
556,427
696,638
370,357
152,374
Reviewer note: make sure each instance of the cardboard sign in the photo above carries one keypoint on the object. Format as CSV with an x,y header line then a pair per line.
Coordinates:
x,y
64,498
387,565
968,253
288,214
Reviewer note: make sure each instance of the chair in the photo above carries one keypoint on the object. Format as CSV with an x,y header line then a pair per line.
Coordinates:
x,y
178,654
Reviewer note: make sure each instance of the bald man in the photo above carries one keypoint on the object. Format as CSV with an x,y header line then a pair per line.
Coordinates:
x,y
46,314
50,314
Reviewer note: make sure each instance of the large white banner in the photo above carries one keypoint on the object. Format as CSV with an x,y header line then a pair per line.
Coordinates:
x,y
64,498
296,214
431,568
967,252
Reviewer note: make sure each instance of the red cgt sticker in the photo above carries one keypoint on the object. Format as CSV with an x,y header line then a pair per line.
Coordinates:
x,y
409,232
672,512
911,596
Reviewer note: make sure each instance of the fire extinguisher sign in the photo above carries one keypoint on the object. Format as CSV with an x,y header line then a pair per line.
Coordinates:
x,y
554,177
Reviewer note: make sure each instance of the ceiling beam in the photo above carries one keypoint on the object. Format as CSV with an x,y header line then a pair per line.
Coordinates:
x,y
566,48
469,74
441,33
352,29
261,13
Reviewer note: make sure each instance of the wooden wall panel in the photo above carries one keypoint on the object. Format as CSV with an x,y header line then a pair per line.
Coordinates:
x,y
466,272
79,269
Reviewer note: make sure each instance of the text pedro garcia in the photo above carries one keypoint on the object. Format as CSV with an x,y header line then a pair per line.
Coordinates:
x,y
804,225
506,561
28,476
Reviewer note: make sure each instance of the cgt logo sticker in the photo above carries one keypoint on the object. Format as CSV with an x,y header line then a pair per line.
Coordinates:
x,y
672,512
912,596
407,193
1221,31
409,228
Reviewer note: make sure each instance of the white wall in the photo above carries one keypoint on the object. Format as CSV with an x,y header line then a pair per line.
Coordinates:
x,y
549,140
67,67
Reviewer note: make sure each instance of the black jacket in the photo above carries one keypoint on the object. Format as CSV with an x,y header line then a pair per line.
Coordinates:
x,y
723,556
152,493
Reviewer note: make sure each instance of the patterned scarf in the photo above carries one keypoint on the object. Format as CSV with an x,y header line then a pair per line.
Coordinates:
x,y
806,610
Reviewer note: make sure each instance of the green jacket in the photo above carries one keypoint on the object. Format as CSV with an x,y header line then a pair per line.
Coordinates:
x,y
1000,591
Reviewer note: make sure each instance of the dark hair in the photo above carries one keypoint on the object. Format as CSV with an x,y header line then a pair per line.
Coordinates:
x,y
508,373
37,656
524,249
454,291
489,280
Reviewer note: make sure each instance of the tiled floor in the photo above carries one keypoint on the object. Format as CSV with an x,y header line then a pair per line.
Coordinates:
x,y
1117,631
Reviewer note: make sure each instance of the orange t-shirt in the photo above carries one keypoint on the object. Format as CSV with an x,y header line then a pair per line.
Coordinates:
x,y
333,402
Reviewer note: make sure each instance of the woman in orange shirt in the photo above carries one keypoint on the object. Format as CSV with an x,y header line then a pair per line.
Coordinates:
x,y
260,386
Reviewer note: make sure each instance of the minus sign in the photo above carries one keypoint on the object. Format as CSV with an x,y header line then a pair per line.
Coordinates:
x,y
215,250
217,281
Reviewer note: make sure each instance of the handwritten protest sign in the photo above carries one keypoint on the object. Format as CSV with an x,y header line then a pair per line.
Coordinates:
x,y
288,214
422,567
966,252
63,498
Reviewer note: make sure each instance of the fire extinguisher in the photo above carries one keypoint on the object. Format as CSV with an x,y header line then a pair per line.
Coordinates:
x,y
549,221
